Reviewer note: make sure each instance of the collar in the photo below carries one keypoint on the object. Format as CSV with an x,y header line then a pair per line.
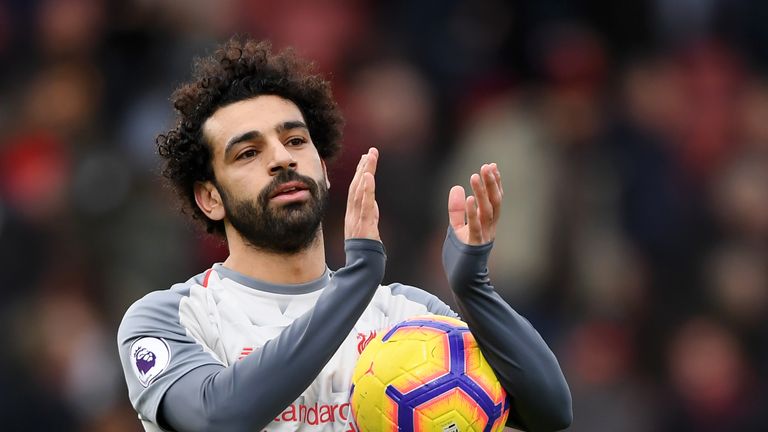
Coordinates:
x,y
288,289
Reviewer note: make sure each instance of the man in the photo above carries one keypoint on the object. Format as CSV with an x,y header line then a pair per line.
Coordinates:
x,y
271,330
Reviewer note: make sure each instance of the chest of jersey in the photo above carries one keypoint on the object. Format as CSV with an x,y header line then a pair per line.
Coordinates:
x,y
233,321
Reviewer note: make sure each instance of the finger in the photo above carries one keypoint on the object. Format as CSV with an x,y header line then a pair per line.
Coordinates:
x,y
353,185
359,189
473,220
484,207
372,160
369,162
357,222
456,207
369,172
497,174
355,206
369,219
493,191
367,199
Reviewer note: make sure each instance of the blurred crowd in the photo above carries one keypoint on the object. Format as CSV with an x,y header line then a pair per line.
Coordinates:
x,y
632,139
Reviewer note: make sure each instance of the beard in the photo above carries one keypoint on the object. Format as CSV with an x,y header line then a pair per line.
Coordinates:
x,y
285,229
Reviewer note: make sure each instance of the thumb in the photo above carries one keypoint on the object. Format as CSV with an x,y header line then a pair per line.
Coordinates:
x,y
456,209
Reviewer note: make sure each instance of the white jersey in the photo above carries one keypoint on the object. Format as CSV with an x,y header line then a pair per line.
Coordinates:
x,y
222,317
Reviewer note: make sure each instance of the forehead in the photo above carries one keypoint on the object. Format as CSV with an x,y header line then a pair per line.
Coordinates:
x,y
261,113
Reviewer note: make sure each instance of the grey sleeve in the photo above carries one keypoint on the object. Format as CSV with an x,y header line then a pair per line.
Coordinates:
x,y
526,367
155,350
250,393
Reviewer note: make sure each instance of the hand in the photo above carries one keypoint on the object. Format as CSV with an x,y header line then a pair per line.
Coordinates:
x,y
474,218
362,218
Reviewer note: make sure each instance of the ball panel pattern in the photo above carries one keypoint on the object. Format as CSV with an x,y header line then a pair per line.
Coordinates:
x,y
479,371
453,409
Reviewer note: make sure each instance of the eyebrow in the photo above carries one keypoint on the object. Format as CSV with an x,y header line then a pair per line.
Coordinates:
x,y
255,135
294,124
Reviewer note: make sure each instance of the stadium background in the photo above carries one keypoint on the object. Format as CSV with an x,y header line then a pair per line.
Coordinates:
x,y
632,137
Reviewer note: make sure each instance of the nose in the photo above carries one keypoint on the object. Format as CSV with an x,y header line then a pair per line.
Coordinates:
x,y
282,159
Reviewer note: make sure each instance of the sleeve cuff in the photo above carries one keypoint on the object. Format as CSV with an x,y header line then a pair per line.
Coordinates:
x,y
363,244
464,248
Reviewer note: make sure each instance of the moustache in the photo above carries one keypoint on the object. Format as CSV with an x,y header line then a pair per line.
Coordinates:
x,y
284,177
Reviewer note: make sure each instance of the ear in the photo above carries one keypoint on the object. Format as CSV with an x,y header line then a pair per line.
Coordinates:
x,y
209,200
325,174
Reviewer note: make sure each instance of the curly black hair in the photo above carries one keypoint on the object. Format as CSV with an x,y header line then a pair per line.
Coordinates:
x,y
241,68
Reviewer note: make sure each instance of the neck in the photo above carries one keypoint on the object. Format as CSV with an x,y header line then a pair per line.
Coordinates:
x,y
300,267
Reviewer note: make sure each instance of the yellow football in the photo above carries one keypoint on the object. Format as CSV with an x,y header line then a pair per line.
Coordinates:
x,y
427,374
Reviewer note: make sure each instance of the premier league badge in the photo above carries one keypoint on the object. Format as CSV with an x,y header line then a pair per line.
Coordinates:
x,y
149,358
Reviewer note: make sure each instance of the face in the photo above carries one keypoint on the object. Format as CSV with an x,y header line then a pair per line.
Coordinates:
x,y
270,184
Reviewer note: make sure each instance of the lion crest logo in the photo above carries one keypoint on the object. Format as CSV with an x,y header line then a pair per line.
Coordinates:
x,y
145,359
149,357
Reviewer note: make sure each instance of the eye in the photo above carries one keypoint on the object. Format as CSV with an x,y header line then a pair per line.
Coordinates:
x,y
247,154
296,141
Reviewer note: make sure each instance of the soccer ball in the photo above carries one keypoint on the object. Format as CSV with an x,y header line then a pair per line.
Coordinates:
x,y
427,374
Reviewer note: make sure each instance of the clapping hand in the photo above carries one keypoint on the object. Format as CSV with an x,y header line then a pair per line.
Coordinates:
x,y
362,217
474,218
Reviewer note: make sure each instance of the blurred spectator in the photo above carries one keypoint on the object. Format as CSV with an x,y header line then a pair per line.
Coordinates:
x,y
607,393
752,129
741,196
712,384
738,277
69,28
322,30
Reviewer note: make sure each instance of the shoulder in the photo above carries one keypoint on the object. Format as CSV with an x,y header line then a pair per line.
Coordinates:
x,y
406,294
158,311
